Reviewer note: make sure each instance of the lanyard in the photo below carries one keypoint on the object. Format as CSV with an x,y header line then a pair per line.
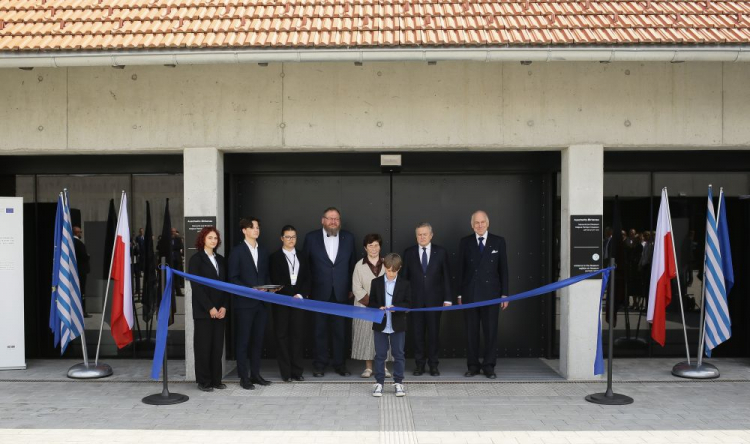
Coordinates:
x,y
292,263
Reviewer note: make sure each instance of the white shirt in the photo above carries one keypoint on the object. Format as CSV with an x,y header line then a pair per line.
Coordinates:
x,y
390,287
421,250
292,263
253,253
212,257
332,245
484,238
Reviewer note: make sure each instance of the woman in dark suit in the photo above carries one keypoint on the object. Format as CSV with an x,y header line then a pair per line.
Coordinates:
x,y
209,310
290,269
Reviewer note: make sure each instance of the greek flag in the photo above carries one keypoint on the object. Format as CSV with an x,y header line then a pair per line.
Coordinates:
x,y
66,311
718,326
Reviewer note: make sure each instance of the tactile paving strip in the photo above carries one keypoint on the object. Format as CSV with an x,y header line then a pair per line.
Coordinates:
x,y
396,419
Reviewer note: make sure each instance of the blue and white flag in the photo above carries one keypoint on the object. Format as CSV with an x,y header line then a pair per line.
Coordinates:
x,y
66,311
718,326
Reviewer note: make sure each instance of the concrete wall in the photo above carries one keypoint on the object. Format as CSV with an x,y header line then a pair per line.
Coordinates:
x,y
378,106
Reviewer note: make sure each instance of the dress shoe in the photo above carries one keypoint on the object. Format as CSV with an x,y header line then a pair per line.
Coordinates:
x,y
343,371
418,371
86,315
220,386
205,388
434,371
247,385
260,380
471,373
286,379
318,373
299,378
490,374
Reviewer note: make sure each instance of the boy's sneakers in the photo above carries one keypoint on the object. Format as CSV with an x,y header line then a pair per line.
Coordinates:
x,y
378,391
399,389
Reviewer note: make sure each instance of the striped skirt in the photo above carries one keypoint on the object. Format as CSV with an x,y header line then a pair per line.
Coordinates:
x,y
363,343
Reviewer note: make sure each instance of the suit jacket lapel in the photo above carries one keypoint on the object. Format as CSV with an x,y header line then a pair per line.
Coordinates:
x,y
338,252
207,261
250,255
489,247
325,250
398,291
431,260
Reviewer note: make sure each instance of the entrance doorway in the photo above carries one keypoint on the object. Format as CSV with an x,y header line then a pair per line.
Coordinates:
x,y
392,204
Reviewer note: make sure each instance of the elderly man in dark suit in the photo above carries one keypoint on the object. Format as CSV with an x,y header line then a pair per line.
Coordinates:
x,y
426,267
248,266
331,255
482,275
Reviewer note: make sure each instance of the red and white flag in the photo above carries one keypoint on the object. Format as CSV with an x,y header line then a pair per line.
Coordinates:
x,y
122,295
663,270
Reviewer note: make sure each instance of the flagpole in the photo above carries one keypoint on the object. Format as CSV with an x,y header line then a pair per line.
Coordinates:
x,y
83,327
83,371
109,279
677,272
699,370
702,318
703,314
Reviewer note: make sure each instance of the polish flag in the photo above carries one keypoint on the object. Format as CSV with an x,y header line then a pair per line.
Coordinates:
x,y
663,270
122,295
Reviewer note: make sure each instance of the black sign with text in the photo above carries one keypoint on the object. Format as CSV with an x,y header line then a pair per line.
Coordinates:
x,y
585,244
193,226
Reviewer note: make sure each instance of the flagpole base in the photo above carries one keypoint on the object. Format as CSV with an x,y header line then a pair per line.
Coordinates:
x,y
693,371
165,399
80,371
609,399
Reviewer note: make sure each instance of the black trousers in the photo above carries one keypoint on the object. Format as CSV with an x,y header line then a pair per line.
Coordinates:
x,y
288,326
338,332
82,278
428,322
208,346
251,325
488,318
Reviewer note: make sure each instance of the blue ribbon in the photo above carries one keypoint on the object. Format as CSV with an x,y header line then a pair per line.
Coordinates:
x,y
349,311
162,326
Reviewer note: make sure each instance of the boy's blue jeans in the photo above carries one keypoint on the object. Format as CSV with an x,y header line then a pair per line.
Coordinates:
x,y
396,341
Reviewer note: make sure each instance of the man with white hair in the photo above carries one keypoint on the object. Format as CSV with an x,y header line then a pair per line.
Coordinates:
x,y
482,275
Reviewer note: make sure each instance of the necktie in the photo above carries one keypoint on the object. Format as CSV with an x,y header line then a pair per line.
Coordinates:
x,y
424,259
481,245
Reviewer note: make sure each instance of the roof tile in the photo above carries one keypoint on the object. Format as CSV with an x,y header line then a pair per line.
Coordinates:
x,y
131,24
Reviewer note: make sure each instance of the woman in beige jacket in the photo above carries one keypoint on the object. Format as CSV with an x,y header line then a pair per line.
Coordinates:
x,y
369,268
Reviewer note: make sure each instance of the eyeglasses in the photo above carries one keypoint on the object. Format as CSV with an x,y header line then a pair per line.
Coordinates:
x,y
332,219
289,237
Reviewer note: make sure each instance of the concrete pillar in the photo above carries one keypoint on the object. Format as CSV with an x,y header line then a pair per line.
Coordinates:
x,y
582,184
204,196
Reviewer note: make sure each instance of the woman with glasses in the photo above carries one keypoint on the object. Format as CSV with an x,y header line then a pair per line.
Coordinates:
x,y
369,268
290,269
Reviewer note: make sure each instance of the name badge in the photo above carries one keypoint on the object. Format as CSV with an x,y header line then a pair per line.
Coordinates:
x,y
293,277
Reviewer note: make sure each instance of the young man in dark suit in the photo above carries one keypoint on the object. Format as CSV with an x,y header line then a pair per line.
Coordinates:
x,y
426,269
482,275
332,257
290,269
248,266
386,292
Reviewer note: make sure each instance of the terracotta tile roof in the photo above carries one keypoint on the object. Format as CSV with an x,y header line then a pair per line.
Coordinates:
x,y
92,25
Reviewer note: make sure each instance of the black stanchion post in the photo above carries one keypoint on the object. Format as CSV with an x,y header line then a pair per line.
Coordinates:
x,y
165,398
610,397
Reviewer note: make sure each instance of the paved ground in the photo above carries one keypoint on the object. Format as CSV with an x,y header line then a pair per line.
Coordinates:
x,y
40,407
